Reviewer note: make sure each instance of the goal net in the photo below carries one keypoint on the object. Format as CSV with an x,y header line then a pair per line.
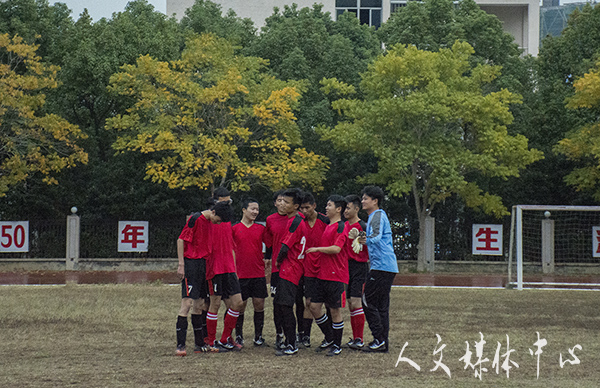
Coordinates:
x,y
547,240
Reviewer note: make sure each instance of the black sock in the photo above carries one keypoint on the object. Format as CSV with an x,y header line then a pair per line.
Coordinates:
x,y
239,326
203,321
197,326
277,318
182,325
300,315
324,323
289,324
338,331
307,326
259,323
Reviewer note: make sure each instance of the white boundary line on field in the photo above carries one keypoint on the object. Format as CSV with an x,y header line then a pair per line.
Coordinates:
x,y
500,288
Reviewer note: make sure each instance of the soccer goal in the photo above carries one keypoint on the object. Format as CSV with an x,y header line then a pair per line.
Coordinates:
x,y
545,239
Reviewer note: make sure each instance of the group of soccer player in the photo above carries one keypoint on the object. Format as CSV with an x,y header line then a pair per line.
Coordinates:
x,y
315,259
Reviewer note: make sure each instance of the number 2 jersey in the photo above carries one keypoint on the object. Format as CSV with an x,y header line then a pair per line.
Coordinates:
x,y
292,267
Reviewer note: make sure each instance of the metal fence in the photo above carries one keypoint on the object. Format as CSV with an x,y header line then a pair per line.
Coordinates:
x,y
99,239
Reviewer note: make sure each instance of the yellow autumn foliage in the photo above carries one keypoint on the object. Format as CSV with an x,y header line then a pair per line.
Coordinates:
x,y
212,116
29,142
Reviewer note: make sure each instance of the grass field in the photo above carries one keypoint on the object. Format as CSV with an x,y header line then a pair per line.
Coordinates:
x,y
124,336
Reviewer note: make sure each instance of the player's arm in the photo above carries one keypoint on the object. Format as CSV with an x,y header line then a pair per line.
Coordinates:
x,y
376,229
330,250
181,264
282,254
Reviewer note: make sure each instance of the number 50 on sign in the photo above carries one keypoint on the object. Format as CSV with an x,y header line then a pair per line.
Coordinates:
x,y
14,236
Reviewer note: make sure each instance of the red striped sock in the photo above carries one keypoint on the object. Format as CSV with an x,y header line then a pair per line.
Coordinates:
x,y
211,327
357,320
229,324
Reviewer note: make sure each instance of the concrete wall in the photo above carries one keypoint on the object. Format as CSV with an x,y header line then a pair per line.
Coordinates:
x,y
521,18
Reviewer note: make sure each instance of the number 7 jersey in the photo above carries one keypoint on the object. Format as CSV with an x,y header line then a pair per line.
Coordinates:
x,y
292,267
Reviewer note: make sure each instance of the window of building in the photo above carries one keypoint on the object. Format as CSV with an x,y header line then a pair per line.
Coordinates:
x,y
395,4
367,11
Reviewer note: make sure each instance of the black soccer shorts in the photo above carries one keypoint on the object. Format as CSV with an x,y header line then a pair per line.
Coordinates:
x,y
194,283
254,288
224,285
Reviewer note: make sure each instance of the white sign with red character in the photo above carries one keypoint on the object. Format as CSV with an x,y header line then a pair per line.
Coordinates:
x,y
133,236
487,239
14,236
596,241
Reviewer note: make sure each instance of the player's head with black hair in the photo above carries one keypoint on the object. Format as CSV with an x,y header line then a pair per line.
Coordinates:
x,y
352,207
336,204
222,212
247,201
277,194
308,206
291,200
353,199
374,200
278,200
221,194
308,198
250,209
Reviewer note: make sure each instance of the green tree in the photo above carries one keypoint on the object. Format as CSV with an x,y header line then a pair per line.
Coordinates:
x,y
582,143
426,118
206,16
38,23
213,118
306,44
435,24
31,142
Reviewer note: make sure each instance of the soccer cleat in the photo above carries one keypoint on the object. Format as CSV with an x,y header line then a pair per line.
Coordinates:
x,y
231,345
324,345
279,343
220,347
213,349
356,344
287,351
239,339
201,349
259,341
334,350
180,351
305,341
376,346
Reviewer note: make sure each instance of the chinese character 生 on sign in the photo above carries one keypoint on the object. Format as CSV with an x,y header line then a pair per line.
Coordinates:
x,y
487,239
14,236
133,236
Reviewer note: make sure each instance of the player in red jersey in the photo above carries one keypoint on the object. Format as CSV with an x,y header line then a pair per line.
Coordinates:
x,y
332,277
223,283
193,248
315,226
358,267
250,265
276,227
291,268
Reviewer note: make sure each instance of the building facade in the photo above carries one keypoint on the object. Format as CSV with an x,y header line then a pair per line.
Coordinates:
x,y
520,18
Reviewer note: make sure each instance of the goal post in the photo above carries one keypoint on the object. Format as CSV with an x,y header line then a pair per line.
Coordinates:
x,y
545,238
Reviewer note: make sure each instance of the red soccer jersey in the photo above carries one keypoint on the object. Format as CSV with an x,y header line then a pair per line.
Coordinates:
x,y
195,234
334,267
221,258
292,268
362,256
276,228
248,243
313,239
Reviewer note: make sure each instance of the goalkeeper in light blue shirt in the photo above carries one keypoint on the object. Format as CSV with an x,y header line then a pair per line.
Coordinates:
x,y
383,269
